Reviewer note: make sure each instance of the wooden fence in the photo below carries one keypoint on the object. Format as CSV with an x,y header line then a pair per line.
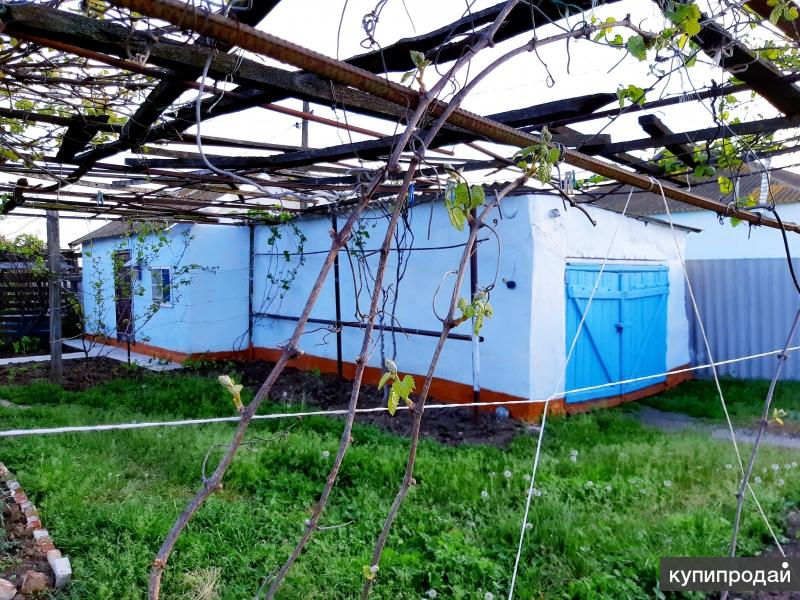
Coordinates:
x,y
24,299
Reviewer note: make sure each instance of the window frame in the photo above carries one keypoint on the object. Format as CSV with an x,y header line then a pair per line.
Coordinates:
x,y
157,275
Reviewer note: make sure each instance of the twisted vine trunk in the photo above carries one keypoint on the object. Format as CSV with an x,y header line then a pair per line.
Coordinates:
x,y
361,363
214,482
745,482
449,323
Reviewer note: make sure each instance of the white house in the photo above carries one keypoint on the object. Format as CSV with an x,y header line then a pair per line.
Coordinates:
x,y
539,259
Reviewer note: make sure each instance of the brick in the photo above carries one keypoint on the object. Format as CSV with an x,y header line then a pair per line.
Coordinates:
x,y
33,523
33,582
62,570
5,474
20,497
41,534
12,484
7,589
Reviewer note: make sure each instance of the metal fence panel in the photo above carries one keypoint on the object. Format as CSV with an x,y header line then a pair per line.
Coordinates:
x,y
747,307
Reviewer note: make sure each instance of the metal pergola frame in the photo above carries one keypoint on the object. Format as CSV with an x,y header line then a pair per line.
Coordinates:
x,y
164,182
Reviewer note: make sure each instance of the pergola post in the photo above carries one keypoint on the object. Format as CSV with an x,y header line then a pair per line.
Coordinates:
x,y
54,303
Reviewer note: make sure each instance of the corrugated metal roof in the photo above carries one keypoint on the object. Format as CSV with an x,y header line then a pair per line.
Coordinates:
x,y
784,188
110,230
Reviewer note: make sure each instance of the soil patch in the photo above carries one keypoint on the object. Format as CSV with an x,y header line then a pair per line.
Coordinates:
x,y
18,552
449,426
79,373
791,548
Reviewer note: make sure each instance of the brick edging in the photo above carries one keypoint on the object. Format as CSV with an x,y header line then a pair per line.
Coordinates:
x,y
60,565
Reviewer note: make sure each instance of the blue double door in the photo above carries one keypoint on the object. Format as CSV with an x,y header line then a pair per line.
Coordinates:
x,y
624,332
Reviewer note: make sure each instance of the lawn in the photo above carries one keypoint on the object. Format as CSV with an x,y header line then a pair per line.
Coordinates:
x,y
602,520
744,399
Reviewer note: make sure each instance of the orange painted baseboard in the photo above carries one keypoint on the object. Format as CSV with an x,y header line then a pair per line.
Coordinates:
x,y
442,390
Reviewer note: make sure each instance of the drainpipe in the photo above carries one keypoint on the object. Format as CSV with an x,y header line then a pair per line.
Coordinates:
x,y
338,298
251,258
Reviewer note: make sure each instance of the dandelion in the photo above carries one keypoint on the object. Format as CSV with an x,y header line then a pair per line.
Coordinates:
x,y
787,466
763,469
775,467
608,488
667,483
537,492
431,593
642,491
488,596
573,453
781,482
526,477
492,474
757,479
573,458
729,466
507,474
794,464
590,483
528,526
284,394
484,494
325,454
632,480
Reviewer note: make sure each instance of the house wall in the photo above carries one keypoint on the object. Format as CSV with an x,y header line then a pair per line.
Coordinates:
x,y
503,353
207,314
570,236
726,242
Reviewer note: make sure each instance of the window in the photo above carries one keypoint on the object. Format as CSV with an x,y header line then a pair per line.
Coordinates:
x,y
162,291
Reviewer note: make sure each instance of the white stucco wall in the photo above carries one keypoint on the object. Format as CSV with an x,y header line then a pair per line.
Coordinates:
x,y
504,351
209,313
724,241
570,236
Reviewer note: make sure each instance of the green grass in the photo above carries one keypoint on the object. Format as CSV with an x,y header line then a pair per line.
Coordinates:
x,y
108,499
744,399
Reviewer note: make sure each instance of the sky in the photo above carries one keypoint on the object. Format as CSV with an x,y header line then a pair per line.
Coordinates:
x,y
579,69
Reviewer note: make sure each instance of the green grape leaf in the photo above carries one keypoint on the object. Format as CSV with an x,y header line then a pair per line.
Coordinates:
x,y
384,378
637,47
394,400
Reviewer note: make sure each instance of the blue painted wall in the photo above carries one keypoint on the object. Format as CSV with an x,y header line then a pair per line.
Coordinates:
x,y
505,350
207,314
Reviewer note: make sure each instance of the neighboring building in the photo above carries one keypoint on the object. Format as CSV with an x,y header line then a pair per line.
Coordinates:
x,y
543,271
739,273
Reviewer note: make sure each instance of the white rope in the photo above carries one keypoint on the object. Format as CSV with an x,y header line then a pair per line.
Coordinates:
x,y
331,413
538,453
713,367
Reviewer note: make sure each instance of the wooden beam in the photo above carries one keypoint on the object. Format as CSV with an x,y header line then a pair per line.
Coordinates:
x,y
697,135
655,128
759,74
763,8
441,46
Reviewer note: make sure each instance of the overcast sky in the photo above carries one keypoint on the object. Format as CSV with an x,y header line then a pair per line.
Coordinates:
x,y
520,83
